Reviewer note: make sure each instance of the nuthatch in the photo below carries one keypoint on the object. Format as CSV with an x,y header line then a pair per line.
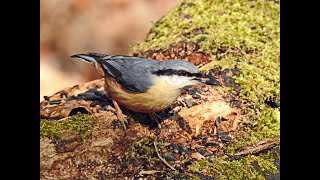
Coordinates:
x,y
143,85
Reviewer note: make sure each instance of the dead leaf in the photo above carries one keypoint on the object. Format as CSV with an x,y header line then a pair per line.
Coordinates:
x,y
197,156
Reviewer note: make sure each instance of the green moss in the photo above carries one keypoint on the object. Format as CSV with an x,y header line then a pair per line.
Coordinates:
x,y
142,147
246,30
82,124
222,168
268,125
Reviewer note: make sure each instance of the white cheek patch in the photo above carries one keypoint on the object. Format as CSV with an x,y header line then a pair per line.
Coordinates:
x,y
178,81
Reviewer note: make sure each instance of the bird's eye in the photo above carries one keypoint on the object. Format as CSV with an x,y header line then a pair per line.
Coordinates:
x,y
183,73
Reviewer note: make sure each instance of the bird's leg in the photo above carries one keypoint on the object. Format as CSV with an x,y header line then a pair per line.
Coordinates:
x,y
155,118
120,115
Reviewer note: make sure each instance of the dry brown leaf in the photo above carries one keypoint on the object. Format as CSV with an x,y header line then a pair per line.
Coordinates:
x,y
197,156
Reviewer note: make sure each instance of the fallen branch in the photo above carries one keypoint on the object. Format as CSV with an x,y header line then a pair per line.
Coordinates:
x,y
163,160
263,145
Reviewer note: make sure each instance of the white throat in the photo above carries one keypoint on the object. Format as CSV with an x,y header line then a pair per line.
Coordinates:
x,y
179,81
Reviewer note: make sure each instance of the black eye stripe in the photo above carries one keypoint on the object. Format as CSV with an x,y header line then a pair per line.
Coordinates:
x,y
167,72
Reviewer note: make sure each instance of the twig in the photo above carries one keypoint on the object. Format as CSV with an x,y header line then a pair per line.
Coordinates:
x,y
207,66
148,172
216,171
263,145
215,130
62,119
175,110
163,160
187,135
181,101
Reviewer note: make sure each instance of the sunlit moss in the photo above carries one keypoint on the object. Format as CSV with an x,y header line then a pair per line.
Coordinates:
x,y
81,124
222,168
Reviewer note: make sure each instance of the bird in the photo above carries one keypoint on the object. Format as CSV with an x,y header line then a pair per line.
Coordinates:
x,y
143,85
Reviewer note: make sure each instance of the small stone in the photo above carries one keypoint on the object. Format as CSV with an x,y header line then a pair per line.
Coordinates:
x,y
202,151
235,157
199,91
173,147
235,103
224,137
182,150
202,136
211,158
211,144
212,82
184,91
197,156
188,163
192,91
196,96
71,98
205,88
169,157
55,102
181,169
218,121
181,176
190,103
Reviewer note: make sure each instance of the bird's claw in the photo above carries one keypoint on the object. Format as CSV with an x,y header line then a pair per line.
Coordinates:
x,y
123,120
155,117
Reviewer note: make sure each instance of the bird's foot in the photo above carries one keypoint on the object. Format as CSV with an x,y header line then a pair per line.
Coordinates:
x,y
122,119
153,116
120,115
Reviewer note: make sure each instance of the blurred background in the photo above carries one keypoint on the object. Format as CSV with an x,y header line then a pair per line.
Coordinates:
x,y
70,27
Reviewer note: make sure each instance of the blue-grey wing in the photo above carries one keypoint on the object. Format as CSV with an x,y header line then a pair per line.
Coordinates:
x,y
133,73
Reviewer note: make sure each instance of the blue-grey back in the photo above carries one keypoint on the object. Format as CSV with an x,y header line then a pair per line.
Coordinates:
x,y
137,74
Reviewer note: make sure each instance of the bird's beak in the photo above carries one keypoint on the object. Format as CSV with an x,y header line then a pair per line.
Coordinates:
x,y
207,79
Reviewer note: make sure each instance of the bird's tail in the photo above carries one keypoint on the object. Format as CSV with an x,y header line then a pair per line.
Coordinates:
x,y
89,58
